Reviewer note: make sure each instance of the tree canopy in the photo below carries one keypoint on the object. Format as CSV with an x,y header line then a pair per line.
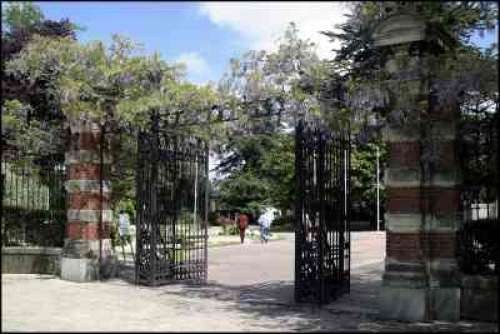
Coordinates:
x,y
51,77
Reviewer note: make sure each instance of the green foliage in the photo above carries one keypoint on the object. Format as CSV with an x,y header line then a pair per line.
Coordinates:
x,y
265,178
459,19
363,172
284,223
19,15
41,138
114,86
30,109
278,168
272,82
128,205
111,83
243,191
360,86
23,190
212,218
232,229
259,154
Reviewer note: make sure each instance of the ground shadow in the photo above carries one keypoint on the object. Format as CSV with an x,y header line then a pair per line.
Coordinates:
x,y
272,305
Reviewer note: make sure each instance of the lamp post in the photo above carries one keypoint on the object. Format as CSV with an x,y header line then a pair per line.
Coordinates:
x,y
378,192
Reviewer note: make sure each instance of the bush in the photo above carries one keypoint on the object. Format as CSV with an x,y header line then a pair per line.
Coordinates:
x,y
212,218
232,229
283,223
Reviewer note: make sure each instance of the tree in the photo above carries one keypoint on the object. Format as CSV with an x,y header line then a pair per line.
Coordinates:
x,y
463,74
30,110
113,88
258,152
20,15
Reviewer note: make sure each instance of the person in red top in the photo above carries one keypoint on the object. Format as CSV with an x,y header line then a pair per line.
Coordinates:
x,y
242,224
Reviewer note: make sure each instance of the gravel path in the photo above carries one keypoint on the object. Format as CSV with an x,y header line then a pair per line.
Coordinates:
x,y
250,288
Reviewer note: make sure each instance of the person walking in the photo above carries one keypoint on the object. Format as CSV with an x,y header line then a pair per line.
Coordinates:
x,y
242,224
123,230
265,223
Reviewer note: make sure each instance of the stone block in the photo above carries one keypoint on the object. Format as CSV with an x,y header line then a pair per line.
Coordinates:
x,y
89,140
402,177
87,186
411,177
399,134
78,230
403,223
402,304
31,260
86,156
399,29
412,223
79,125
394,265
439,200
89,216
85,171
79,270
85,248
445,304
479,298
404,279
88,201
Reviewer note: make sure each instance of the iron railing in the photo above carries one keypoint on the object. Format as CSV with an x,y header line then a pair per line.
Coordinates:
x,y
477,240
322,222
171,228
33,200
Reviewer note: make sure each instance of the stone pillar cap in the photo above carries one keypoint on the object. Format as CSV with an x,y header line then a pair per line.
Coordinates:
x,y
400,28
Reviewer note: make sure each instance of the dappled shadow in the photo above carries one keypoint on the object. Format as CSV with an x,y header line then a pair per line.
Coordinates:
x,y
270,305
125,270
434,326
46,276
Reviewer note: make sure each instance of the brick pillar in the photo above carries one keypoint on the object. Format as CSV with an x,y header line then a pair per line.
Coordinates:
x,y
80,257
422,181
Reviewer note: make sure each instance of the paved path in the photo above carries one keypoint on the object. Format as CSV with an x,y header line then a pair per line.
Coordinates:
x,y
250,289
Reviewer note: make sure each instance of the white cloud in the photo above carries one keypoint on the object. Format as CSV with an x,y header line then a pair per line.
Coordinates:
x,y
197,66
262,23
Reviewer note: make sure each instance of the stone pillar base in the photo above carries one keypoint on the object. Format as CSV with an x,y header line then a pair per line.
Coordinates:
x,y
80,260
398,303
79,270
409,304
480,298
445,303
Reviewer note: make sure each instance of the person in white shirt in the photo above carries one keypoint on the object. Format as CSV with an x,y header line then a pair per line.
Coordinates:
x,y
265,221
123,224
123,230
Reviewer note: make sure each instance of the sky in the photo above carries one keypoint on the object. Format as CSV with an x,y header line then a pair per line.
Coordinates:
x,y
206,35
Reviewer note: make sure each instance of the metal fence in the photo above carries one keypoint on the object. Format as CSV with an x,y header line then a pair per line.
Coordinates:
x,y
477,240
172,200
33,200
322,222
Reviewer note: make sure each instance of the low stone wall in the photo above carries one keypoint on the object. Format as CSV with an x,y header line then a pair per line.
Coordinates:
x,y
360,225
479,298
31,260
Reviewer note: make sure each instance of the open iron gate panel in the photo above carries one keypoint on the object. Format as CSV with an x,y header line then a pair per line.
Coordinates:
x,y
171,186
322,222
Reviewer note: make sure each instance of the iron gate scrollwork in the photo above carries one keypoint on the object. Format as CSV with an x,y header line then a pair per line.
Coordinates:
x,y
322,231
171,208
478,250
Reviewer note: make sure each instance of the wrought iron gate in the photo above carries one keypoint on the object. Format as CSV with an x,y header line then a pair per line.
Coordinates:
x,y
171,202
322,222
478,250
